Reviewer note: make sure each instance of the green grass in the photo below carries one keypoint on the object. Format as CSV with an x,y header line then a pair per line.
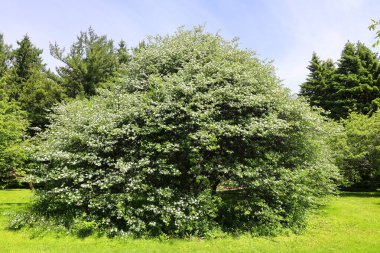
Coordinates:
x,y
350,223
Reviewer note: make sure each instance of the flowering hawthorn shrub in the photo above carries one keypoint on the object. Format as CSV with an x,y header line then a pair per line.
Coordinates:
x,y
200,135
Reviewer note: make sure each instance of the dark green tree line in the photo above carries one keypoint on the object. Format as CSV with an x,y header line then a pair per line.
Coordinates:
x,y
29,90
352,86
28,83
5,55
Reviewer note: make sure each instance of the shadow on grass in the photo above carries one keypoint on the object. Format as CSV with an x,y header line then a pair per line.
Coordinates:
x,y
12,204
374,194
9,207
14,190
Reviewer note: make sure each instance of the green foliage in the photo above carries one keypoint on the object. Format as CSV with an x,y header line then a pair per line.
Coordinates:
x,y
12,131
373,27
91,61
318,85
25,60
361,165
5,55
39,94
123,56
195,114
27,82
352,86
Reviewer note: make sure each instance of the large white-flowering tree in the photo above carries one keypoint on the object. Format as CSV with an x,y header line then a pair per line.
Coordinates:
x,y
194,117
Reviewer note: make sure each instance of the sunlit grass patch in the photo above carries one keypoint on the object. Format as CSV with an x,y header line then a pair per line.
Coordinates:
x,y
349,223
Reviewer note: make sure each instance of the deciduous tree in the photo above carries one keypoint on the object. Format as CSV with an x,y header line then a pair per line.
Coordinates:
x,y
195,114
12,130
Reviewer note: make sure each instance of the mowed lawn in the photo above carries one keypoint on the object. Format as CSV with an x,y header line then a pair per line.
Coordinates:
x,y
349,223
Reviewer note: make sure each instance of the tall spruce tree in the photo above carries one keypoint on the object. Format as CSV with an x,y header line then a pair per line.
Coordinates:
x,y
92,60
356,77
311,87
26,59
352,86
318,85
318,81
28,83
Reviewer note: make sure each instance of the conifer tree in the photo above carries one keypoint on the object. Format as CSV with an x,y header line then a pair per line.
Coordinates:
x,y
314,88
28,83
4,56
92,60
317,87
12,129
123,56
353,86
26,59
356,79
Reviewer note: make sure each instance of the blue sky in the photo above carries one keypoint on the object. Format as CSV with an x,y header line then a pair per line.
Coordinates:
x,y
285,31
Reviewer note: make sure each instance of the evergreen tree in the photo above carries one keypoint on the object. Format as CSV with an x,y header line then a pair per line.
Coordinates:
x,y
91,61
318,81
123,55
356,77
352,86
318,85
4,56
311,87
28,83
26,59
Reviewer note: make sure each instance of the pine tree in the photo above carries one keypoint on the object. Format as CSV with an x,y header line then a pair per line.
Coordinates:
x,y
91,61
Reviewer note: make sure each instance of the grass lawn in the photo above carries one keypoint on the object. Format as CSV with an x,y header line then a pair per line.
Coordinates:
x,y
350,223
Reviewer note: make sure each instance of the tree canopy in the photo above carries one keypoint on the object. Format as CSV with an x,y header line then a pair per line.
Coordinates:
x,y
12,130
27,82
92,60
5,55
353,86
361,163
